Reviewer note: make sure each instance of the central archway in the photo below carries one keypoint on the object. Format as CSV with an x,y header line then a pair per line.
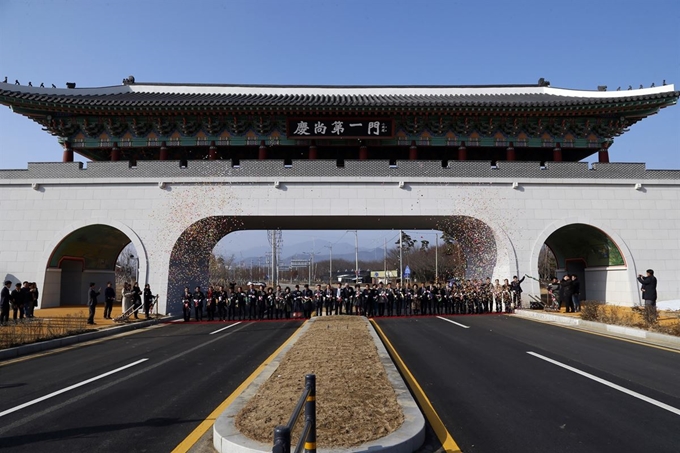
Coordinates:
x,y
488,251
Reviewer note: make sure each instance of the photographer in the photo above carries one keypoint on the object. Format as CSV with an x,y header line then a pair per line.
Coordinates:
x,y
649,291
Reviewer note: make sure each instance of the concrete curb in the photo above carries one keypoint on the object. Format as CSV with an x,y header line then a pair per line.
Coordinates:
x,y
18,351
409,437
226,437
598,327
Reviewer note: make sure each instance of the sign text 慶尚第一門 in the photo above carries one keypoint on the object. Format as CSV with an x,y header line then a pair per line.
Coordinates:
x,y
339,127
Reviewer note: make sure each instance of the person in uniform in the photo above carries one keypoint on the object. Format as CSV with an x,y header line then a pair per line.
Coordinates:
x,y
5,301
279,302
210,303
287,302
17,302
566,292
109,298
198,298
235,305
297,302
92,302
186,304
337,300
307,302
222,298
136,298
516,288
250,302
318,300
148,300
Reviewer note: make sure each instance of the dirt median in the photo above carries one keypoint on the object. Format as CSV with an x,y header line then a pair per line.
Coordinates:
x,y
355,402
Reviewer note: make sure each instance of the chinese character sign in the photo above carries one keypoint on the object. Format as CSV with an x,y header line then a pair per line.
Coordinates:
x,y
340,128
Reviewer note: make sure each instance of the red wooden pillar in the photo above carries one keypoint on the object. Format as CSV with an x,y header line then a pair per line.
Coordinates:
x,y
603,155
510,152
462,151
212,154
68,153
413,151
262,153
557,154
363,152
312,150
164,152
115,152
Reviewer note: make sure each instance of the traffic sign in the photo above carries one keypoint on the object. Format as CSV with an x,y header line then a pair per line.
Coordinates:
x,y
407,272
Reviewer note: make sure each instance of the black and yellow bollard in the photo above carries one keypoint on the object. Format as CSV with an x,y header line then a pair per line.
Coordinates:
x,y
310,413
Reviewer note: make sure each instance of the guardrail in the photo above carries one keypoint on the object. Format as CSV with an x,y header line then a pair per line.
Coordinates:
x,y
308,435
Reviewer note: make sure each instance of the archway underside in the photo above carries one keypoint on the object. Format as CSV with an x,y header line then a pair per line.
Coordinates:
x,y
86,255
584,242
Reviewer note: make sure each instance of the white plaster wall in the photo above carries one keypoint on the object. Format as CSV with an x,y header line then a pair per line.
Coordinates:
x,y
645,224
611,285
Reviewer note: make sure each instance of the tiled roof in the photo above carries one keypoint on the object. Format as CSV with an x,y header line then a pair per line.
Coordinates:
x,y
265,96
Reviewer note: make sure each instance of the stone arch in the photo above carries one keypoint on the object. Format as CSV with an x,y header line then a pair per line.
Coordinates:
x,y
189,257
615,283
72,248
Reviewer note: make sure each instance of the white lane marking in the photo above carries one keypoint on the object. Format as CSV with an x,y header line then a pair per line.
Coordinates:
x,y
647,399
71,387
454,322
225,328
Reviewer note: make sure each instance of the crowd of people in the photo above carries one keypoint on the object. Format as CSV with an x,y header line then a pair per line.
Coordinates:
x,y
565,293
380,299
21,300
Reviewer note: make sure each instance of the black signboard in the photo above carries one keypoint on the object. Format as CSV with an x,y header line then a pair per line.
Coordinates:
x,y
340,128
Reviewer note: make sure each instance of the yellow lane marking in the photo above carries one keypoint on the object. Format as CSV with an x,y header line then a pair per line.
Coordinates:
x,y
77,345
206,424
440,430
599,334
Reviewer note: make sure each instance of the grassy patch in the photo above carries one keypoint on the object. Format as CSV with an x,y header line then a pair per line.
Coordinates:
x,y
32,330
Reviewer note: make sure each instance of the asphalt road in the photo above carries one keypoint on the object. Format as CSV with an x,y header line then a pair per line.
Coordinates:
x,y
493,396
143,405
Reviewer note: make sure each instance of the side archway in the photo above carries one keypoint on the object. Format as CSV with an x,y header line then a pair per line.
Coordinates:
x,y
596,254
82,253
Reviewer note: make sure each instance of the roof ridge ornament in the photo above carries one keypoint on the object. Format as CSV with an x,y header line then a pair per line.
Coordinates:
x,y
129,80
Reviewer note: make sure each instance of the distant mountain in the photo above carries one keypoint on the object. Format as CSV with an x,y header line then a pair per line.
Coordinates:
x,y
302,250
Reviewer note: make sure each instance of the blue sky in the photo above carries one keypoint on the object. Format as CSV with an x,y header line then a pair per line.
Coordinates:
x,y
574,44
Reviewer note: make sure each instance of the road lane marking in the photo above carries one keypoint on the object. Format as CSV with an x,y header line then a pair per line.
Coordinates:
x,y
437,424
206,424
225,328
71,387
454,322
599,334
637,395
61,349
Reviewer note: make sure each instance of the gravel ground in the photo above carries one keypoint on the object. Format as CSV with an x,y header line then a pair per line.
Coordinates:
x,y
355,402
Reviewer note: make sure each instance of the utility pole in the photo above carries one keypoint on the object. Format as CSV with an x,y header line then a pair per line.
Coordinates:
x,y
385,259
330,265
436,257
356,254
401,255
